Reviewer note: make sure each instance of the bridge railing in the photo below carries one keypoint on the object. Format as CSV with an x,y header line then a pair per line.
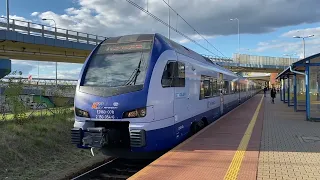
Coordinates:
x,y
218,59
263,60
31,28
247,59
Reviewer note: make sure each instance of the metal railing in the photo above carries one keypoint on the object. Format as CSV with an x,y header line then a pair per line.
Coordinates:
x,y
263,60
40,81
35,29
218,59
20,99
37,86
253,60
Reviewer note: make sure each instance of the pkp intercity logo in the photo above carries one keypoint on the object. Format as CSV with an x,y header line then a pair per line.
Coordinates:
x,y
97,105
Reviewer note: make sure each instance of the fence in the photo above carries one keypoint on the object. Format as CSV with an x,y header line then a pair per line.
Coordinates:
x,y
21,99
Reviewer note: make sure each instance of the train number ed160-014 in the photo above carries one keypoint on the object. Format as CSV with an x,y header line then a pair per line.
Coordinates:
x,y
142,94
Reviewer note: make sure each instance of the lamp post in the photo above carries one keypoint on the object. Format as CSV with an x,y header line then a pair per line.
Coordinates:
x,y
168,20
8,25
55,35
238,35
304,46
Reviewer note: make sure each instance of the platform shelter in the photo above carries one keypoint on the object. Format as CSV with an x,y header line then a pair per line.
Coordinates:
x,y
300,86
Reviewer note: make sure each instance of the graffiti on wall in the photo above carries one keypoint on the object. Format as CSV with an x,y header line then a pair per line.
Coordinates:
x,y
35,102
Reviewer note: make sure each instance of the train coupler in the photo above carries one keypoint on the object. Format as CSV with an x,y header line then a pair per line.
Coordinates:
x,y
95,137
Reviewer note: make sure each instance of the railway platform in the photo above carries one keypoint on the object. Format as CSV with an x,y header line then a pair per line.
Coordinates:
x,y
256,140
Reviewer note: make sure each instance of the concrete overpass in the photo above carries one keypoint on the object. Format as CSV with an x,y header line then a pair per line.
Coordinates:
x,y
259,78
32,41
252,63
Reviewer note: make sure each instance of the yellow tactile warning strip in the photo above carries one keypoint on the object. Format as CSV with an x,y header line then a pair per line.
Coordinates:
x,y
235,165
145,170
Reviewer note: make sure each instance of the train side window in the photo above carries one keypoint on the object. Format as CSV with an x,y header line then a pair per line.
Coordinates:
x,y
226,87
236,86
233,86
206,87
173,75
214,86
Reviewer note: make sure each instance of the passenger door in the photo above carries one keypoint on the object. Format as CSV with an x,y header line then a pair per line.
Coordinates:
x,y
220,81
181,99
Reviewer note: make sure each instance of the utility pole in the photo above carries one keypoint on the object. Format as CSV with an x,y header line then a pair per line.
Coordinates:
x,y
238,36
8,20
169,19
55,35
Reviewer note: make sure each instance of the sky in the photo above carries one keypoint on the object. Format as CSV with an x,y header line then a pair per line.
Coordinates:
x,y
266,27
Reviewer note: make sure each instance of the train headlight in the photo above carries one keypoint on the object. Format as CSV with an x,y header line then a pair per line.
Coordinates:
x,y
81,113
140,112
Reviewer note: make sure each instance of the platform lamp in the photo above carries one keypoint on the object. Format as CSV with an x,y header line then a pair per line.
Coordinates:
x,y
8,20
55,35
304,46
232,19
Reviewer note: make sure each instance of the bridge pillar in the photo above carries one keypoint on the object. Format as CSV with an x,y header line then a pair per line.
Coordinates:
x,y
273,81
5,67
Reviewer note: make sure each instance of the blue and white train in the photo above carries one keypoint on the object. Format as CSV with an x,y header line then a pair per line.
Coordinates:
x,y
143,94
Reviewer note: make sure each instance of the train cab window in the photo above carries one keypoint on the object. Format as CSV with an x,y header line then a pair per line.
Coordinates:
x,y
173,75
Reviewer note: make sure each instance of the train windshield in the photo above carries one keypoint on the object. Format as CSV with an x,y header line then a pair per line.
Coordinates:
x,y
118,65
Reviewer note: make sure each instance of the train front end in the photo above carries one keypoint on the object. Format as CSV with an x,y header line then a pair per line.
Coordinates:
x,y
111,111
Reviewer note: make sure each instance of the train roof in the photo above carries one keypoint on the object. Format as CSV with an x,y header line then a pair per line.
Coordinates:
x,y
173,45
188,52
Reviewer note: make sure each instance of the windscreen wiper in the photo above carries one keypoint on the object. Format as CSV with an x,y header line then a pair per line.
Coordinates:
x,y
136,72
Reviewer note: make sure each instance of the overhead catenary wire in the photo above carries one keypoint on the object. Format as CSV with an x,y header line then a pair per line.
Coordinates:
x,y
192,27
166,24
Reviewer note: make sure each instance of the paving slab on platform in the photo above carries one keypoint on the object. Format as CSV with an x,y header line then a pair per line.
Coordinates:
x,y
281,145
210,153
290,146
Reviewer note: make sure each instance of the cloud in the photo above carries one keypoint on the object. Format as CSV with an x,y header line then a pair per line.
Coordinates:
x,y
303,32
66,74
46,69
34,13
112,18
209,17
23,66
288,45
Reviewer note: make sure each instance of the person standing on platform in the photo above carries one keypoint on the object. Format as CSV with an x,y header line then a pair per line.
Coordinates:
x,y
265,91
273,94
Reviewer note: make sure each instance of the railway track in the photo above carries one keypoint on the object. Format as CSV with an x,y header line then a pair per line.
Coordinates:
x,y
116,168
